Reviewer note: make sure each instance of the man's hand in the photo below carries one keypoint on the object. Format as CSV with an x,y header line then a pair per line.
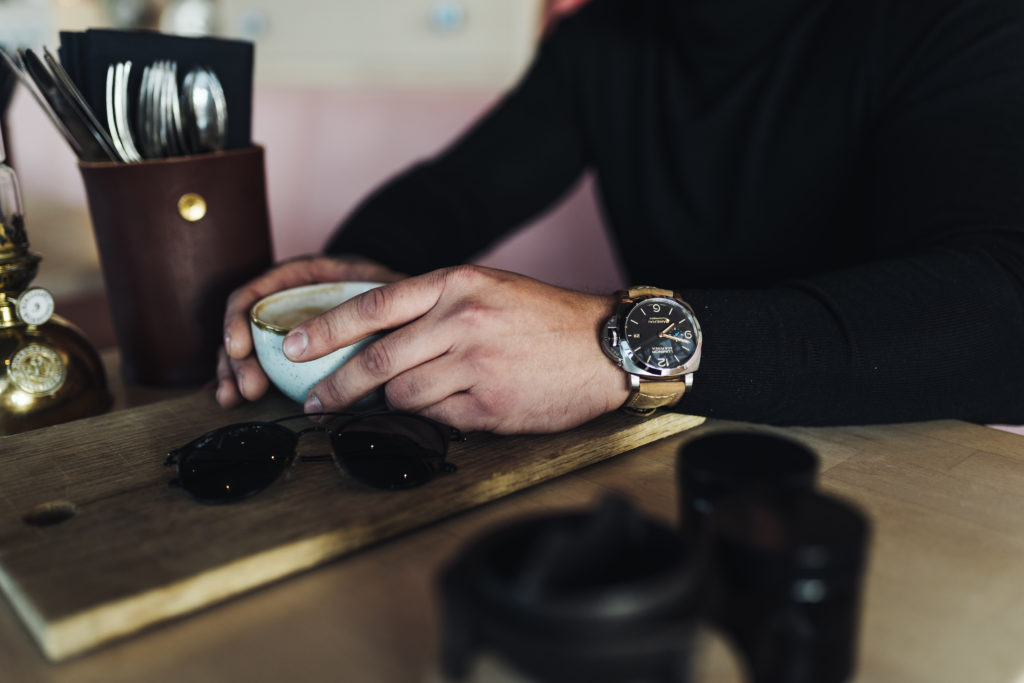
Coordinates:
x,y
239,375
476,348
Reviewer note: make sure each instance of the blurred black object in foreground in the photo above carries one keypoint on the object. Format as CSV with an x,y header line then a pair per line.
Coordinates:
x,y
761,557
598,597
715,467
788,581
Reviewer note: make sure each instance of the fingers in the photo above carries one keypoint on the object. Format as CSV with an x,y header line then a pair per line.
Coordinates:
x,y
302,271
237,339
239,380
379,309
390,356
228,395
428,384
239,376
465,349
462,411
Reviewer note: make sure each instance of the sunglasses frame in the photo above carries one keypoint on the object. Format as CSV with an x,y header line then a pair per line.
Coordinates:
x,y
447,435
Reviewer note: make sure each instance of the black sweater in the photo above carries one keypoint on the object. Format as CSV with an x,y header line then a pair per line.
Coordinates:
x,y
836,186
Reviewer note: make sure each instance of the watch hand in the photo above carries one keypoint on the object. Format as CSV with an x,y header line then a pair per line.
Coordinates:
x,y
687,343
664,332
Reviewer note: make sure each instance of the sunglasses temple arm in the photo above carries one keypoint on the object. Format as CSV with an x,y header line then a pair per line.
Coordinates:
x,y
310,415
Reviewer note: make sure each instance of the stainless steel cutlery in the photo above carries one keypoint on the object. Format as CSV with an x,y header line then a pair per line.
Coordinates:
x,y
205,111
146,118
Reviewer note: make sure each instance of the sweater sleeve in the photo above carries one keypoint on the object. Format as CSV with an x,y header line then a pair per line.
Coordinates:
x,y
934,327
519,159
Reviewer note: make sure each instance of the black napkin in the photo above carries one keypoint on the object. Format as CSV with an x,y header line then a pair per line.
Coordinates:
x,y
86,56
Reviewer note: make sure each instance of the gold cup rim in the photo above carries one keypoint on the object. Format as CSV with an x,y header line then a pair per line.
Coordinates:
x,y
264,325
279,329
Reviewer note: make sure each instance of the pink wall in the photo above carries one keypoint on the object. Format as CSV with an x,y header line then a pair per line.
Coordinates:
x,y
1010,428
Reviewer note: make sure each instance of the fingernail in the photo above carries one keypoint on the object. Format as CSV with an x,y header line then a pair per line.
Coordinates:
x,y
295,343
312,405
240,382
227,340
222,392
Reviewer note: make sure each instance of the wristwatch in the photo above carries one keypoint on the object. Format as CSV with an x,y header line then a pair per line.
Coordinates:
x,y
655,337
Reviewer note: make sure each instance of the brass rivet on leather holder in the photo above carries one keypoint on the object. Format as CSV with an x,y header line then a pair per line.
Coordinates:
x,y
191,207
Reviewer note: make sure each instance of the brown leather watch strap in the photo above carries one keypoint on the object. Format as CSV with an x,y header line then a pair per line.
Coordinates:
x,y
635,292
649,396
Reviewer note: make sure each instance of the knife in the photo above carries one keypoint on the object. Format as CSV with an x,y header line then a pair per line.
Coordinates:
x,y
92,145
18,68
72,93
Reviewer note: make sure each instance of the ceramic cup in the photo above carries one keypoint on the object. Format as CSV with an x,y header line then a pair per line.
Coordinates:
x,y
273,316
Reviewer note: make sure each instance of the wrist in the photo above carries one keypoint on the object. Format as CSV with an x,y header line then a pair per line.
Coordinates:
x,y
653,336
615,382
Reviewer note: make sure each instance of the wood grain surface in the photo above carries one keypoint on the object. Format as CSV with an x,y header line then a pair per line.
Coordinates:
x,y
136,551
944,599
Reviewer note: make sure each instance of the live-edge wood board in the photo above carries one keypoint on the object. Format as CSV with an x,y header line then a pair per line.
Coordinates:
x,y
137,551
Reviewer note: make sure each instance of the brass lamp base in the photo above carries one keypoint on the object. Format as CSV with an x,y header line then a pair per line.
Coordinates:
x,y
51,374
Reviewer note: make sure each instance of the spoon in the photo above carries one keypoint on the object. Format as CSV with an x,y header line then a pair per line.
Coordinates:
x,y
117,111
205,108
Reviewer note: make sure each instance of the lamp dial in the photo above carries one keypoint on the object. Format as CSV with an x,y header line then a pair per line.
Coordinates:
x,y
35,306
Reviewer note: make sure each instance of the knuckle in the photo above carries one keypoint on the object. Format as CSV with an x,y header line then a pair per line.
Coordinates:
x,y
238,304
490,403
329,392
223,365
472,314
377,358
464,275
323,327
374,304
487,413
248,385
399,394
483,361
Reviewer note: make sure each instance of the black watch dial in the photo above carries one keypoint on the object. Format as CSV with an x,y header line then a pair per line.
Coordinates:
x,y
661,333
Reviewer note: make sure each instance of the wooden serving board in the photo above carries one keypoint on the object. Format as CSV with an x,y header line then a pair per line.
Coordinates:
x,y
137,551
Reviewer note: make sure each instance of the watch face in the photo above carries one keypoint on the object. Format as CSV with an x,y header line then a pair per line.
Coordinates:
x,y
661,334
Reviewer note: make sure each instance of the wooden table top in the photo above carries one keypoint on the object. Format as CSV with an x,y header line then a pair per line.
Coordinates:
x,y
944,595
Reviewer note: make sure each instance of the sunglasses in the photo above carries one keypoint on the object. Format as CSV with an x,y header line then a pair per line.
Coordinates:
x,y
387,450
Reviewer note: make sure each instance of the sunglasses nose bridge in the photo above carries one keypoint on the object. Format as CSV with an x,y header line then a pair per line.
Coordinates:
x,y
299,433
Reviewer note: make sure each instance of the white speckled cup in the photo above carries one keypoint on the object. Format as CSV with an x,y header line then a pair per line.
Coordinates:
x,y
273,316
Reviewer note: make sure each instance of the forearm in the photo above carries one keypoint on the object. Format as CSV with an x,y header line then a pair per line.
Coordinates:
x,y
936,335
512,164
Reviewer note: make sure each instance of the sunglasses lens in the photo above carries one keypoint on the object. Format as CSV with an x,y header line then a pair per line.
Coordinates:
x,y
235,462
391,451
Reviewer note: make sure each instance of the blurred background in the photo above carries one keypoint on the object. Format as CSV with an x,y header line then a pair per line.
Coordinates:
x,y
347,93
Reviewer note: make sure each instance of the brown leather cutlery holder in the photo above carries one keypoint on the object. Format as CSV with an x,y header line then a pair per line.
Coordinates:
x,y
176,236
